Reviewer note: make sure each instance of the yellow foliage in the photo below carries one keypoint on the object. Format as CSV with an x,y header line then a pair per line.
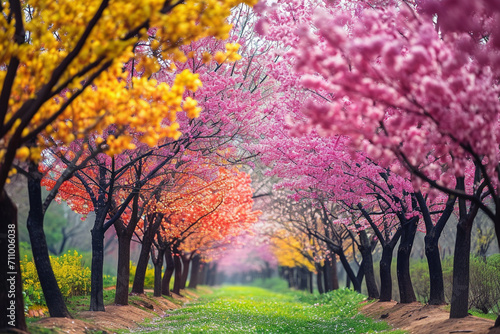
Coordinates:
x,y
220,57
72,277
232,51
149,279
69,79
290,252
23,153
231,54
191,108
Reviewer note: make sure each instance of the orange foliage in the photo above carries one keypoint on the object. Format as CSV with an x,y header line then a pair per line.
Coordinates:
x,y
202,212
199,204
230,219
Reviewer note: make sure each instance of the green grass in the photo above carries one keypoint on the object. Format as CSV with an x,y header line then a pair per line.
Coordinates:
x,y
77,304
257,310
33,328
490,315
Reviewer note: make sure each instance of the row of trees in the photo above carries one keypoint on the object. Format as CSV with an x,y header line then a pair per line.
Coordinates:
x,y
380,118
385,122
98,105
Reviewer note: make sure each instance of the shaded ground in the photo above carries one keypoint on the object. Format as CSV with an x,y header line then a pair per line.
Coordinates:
x,y
116,317
423,319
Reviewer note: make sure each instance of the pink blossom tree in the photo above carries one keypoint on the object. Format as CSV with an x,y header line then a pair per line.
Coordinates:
x,y
332,166
409,85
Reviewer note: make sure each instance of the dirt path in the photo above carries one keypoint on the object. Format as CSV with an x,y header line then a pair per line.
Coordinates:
x,y
116,317
424,319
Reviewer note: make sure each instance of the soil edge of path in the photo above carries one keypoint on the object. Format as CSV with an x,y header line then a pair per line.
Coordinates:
x,y
119,317
424,319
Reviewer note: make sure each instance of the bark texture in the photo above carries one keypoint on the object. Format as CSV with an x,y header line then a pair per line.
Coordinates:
x,y
11,284
406,292
52,293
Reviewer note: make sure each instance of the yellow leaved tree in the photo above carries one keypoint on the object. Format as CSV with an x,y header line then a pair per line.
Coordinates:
x,y
62,69
63,75
292,250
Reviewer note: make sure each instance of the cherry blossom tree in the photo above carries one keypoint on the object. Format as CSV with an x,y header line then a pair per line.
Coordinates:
x,y
400,79
233,217
359,184
401,85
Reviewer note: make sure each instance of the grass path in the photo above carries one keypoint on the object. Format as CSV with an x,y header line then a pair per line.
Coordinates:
x,y
256,310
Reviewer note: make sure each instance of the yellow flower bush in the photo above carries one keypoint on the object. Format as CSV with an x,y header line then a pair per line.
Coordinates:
x,y
73,278
149,280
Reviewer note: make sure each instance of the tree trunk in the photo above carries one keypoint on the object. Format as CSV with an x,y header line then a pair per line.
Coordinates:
x,y
326,275
460,290
52,293
295,277
361,273
333,273
96,276
303,278
355,282
366,253
310,279
347,281
158,263
11,291
169,270
212,274
385,274
459,307
319,278
186,260
142,266
431,239
267,271
290,277
203,274
497,232
195,270
371,285
177,273
125,233
406,293
435,271
123,270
